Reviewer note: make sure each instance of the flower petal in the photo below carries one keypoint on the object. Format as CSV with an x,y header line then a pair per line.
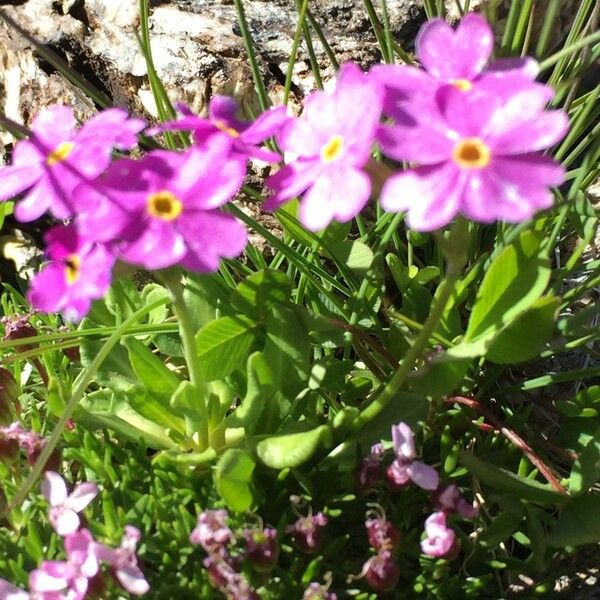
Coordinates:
x,y
54,488
132,579
64,520
430,194
10,592
266,125
16,179
81,496
54,125
423,475
160,245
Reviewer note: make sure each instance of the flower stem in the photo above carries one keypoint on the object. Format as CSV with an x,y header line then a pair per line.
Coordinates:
x,y
456,255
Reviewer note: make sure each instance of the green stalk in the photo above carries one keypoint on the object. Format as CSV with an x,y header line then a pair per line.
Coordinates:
x,y
294,51
456,257
83,381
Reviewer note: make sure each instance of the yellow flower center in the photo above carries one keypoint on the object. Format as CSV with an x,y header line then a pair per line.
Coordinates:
x,y
332,149
471,153
60,153
464,85
226,129
72,268
164,205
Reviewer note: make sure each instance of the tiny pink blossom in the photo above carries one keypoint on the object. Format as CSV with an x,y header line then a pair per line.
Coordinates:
x,y
212,531
326,148
245,137
57,157
8,591
123,561
448,499
404,441
440,540
63,506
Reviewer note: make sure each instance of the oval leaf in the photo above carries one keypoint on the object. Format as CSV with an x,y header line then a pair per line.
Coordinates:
x,y
233,479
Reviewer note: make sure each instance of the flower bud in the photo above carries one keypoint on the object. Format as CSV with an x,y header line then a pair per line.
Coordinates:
x,y
17,327
212,532
262,548
8,396
316,591
369,472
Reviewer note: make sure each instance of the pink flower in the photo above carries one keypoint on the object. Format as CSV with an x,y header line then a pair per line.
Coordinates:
x,y
382,534
369,471
57,157
71,578
316,591
212,532
244,136
63,506
123,561
262,548
330,143
448,499
10,592
164,209
308,532
227,580
440,540
405,468
78,273
478,156
381,571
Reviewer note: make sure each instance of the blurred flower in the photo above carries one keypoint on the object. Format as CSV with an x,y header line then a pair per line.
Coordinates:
x,y
326,148
227,580
17,327
308,532
441,540
63,506
57,157
262,548
124,562
381,571
163,210
448,499
369,471
244,136
316,591
212,532
10,592
78,273
382,534
70,577
405,468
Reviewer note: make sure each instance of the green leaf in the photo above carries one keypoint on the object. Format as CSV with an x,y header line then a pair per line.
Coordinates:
x,y
205,296
155,409
586,469
256,294
506,481
527,335
109,409
233,479
287,350
515,279
123,299
292,449
355,255
224,344
259,391
150,370
578,523
500,529
437,378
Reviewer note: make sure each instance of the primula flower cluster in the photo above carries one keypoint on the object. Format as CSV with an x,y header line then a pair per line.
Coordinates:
x,y
71,579
472,132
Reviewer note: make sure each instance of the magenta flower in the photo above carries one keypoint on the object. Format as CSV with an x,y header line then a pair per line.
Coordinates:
x,y
308,532
57,157
70,578
78,273
369,472
245,136
262,548
212,531
123,561
405,468
164,209
63,506
382,534
316,591
227,580
330,143
479,157
381,571
448,499
441,540
450,57
8,591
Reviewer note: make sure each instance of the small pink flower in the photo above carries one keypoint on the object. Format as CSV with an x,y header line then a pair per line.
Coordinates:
x,y
123,561
382,534
57,158
448,499
8,591
369,471
64,507
308,532
440,540
316,591
328,145
227,580
381,571
212,532
243,136
70,578
79,272
262,548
